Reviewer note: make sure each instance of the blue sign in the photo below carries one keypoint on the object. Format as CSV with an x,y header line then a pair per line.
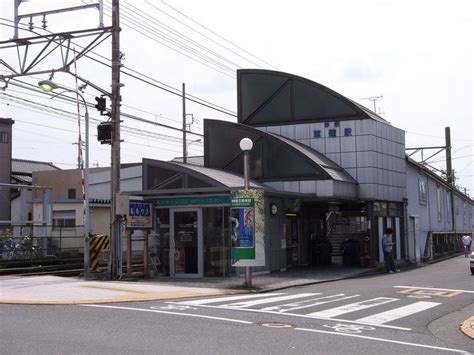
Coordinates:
x,y
139,215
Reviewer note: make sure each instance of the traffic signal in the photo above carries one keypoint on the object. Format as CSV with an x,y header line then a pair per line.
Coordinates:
x,y
101,104
104,132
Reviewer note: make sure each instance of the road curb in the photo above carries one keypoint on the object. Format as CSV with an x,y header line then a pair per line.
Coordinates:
x,y
467,327
152,297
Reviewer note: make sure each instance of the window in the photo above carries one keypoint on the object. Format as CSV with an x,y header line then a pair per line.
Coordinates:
x,y
464,212
439,202
448,207
4,137
71,194
64,219
422,194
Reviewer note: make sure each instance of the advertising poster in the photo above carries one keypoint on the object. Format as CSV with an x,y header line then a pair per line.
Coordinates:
x,y
247,220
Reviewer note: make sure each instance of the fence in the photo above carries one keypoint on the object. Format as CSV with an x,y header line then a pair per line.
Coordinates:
x,y
37,242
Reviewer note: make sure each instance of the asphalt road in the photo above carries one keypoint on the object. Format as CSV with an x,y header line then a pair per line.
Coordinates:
x,y
416,311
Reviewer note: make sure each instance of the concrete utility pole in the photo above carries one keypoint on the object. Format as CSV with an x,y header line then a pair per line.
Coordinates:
x,y
115,235
184,124
449,171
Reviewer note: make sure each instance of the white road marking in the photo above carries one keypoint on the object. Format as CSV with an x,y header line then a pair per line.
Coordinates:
x,y
166,312
435,289
397,313
352,307
308,303
305,316
384,340
200,302
270,300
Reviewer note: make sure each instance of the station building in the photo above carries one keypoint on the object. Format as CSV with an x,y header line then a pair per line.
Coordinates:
x,y
333,174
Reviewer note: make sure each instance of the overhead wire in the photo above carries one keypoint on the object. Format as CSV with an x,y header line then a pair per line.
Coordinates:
x,y
177,33
194,55
211,31
202,34
155,83
72,117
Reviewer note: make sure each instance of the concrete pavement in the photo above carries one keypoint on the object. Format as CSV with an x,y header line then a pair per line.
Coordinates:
x,y
64,290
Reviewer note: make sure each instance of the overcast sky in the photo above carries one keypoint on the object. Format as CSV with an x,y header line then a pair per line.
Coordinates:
x,y
418,55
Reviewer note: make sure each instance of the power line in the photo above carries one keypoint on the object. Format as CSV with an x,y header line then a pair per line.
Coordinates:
x,y
160,84
202,34
204,59
177,33
130,130
211,31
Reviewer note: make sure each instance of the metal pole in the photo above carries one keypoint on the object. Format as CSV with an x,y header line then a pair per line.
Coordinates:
x,y
184,125
16,18
116,254
248,269
86,192
101,13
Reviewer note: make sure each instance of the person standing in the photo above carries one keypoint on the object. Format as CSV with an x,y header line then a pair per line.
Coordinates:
x,y
387,246
466,242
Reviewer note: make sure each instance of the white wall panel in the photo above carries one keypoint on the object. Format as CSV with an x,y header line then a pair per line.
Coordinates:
x,y
288,131
308,187
302,131
318,144
348,160
274,129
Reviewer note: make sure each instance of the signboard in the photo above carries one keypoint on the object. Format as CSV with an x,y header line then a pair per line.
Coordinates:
x,y
247,219
192,201
139,215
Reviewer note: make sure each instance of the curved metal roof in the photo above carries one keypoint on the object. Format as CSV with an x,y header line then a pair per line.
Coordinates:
x,y
330,167
206,177
221,151
220,177
268,97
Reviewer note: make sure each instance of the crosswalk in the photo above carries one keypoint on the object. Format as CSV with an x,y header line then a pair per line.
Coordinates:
x,y
320,306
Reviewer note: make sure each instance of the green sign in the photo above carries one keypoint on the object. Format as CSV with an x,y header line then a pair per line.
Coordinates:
x,y
242,201
192,201
247,234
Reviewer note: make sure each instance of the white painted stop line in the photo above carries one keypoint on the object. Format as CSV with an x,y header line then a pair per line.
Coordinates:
x,y
352,307
396,313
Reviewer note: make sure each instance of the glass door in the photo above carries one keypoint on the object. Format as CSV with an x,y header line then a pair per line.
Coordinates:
x,y
186,246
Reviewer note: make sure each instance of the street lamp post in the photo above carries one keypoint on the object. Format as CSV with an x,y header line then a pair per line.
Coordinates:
x,y
49,86
246,145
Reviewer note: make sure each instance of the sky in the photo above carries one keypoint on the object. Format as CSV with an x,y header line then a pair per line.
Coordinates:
x,y
416,55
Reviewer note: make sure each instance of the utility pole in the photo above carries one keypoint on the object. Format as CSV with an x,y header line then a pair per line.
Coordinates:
x,y
115,235
184,124
374,99
449,171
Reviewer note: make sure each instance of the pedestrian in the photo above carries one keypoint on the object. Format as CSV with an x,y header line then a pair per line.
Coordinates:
x,y
387,245
466,242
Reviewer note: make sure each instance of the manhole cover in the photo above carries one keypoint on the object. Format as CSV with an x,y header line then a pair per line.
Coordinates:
x,y
277,325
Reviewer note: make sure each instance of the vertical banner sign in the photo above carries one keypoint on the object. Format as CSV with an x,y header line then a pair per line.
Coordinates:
x,y
247,219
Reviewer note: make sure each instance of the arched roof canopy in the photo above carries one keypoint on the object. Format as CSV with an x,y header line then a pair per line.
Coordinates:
x,y
167,176
266,97
273,157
